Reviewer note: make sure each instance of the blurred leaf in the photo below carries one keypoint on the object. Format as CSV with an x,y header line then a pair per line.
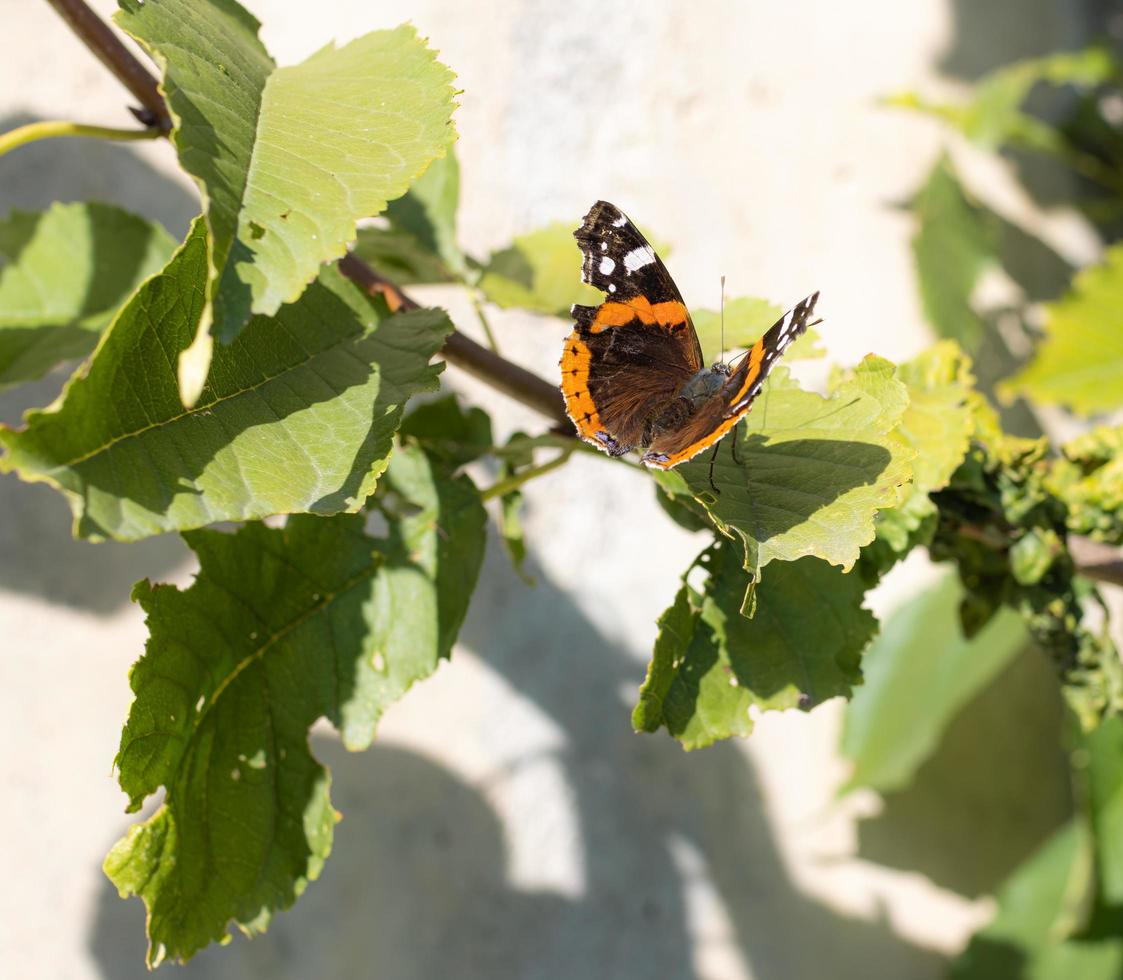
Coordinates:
x,y
427,212
540,272
1089,479
713,668
449,432
299,414
812,471
994,118
400,257
279,628
918,674
64,273
1080,362
1059,915
953,244
746,318
287,159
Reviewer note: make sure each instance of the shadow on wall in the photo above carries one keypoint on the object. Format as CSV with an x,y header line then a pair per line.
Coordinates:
x,y
38,555
417,885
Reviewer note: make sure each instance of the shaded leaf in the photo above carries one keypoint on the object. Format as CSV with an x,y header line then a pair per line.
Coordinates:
x,y
400,257
287,159
64,273
953,245
427,212
919,673
812,471
1080,362
298,416
1058,915
540,272
448,431
713,669
279,628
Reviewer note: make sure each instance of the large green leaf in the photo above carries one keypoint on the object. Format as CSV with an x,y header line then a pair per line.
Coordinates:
x,y
954,243
298,416
64,272
713,668
1080,362
428,212
279,628
812,472
1058,915
287,159
918,673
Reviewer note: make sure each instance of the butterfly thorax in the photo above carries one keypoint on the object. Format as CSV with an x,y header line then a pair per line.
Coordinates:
x,y
704,384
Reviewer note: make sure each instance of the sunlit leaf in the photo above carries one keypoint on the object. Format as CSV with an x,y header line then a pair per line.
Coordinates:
x,y
279,628
812,472
287,159
1080,362
299,414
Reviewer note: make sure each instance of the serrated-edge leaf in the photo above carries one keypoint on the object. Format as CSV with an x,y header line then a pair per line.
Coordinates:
x,y
299,415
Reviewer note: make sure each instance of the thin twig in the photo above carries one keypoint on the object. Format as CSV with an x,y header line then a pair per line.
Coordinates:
x,y
1096,560
53,128
100,38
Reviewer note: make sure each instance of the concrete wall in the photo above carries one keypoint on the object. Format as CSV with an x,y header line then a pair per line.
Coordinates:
x,y
508,822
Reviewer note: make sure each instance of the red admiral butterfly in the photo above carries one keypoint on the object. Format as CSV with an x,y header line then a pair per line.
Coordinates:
x,y
632,370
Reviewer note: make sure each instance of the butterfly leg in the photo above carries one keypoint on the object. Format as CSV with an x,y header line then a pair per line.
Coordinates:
x,y
713,459
733,443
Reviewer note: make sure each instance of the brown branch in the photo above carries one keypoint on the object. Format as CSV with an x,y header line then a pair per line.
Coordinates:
x,y
103,42
511,379
1096,560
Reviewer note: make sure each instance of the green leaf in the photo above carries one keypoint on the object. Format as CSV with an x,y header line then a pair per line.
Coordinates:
x,y
713,669
918,674
1058,915
400,257
1089,479
64,272
449,432
287,159
540,272
937,425
953,245
812,471
428,212
1080,362
993,117
279,628
299,414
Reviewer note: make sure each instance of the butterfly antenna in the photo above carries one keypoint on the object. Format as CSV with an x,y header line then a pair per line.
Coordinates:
x,y
723,320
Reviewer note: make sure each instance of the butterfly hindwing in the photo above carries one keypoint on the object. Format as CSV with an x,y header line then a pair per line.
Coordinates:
x,y
716,416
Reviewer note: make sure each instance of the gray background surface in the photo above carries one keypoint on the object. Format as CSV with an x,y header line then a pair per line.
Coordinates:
x,y
508,822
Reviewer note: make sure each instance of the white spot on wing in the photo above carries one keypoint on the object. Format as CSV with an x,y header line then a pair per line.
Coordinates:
x,y
620,222
638,258
606,266
604,246
612,287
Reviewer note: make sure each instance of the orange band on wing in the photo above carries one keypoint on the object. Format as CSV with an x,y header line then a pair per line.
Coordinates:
x,y
668,314
579,403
